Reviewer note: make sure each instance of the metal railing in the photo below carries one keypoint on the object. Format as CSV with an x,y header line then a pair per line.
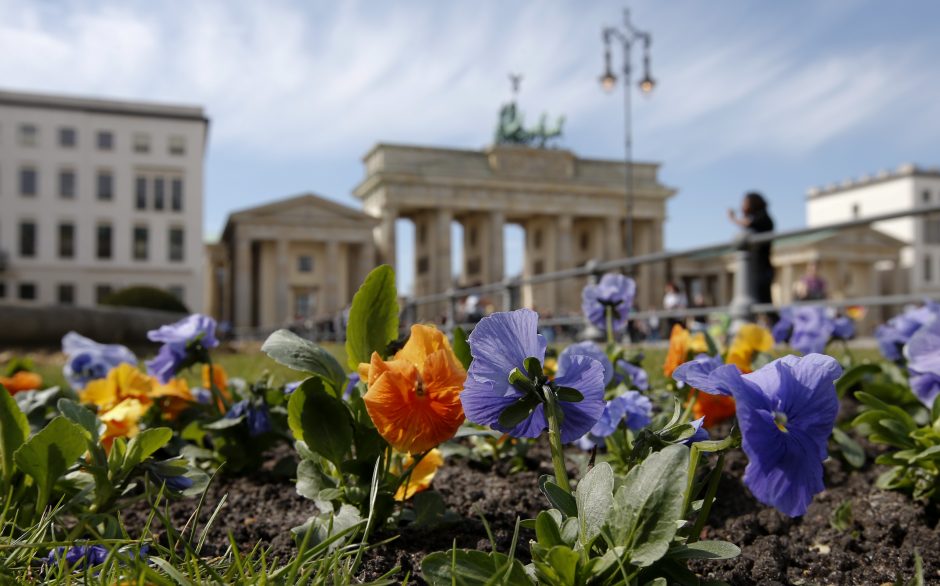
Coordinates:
x,y
742,306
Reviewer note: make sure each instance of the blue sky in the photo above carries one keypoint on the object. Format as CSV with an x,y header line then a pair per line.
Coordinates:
x,y
776,96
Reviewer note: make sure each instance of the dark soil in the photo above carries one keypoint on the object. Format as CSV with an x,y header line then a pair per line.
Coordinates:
x,y
876,547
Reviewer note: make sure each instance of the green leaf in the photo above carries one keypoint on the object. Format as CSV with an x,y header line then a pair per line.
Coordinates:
x,y
558,497
429,509
373,317
144,444
533,367
648,506
853,376
289,349
559,566
327,525
705,550
568,394
594,496
547,532
853,452
320,420
81,415
14,429
517,412
461,347
48,454
463,567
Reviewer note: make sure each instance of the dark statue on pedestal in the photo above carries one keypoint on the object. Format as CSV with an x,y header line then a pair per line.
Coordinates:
x,y
511,128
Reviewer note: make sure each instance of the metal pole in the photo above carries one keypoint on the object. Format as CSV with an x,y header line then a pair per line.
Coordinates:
x,y
628,138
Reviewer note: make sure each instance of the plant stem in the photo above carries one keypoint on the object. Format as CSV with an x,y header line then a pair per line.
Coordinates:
x,y
689,405
729,442
609,319
220,403
554,440
709,499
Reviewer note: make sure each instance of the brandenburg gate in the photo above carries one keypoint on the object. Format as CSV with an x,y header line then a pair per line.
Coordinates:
x,y
572,210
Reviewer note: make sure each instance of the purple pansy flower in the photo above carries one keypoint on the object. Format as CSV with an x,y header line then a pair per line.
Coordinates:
x,y
353,379
499,344
78,556
635,409
700,435
184,343
590,350
808,328
786,411
290,387
615,291
638,378
257,417
87,360
893,335
695,372
923,361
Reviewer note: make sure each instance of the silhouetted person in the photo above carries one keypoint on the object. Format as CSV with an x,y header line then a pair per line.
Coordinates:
x,y
755,219
811,285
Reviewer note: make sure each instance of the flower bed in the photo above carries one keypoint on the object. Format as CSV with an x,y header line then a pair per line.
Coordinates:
x,y
488,458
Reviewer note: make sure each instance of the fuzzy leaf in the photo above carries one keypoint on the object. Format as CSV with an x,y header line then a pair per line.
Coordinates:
x,y
48,454
320,420
557,496
289,349
647,507
705,550
144,444
373,317
462,348
594,496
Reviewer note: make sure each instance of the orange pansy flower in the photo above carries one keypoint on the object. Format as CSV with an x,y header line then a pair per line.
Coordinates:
x,y
679,340
421,476
219,377
714,408
122,420
414,399
173,397
22,380
750,339
123,381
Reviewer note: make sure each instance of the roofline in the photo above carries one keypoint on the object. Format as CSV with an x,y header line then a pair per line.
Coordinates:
x,y
282,200
904,171
419,147
103,106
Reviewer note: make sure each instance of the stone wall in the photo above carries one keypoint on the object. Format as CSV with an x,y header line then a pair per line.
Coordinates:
x,y
45,325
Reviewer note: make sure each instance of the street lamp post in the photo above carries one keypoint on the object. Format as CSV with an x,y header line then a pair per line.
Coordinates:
x,y
627,36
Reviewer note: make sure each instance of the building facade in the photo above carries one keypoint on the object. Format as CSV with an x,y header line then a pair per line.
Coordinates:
x,y
906,188
293,263
98,195
572,210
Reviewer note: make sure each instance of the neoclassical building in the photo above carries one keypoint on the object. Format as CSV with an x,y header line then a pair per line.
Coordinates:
x,y
302,258
571,208
292,262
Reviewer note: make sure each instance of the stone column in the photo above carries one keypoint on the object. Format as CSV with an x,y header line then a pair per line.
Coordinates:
x,y
385,236
566,299
786,283
242,292
495,251
331,280
613,238
282,311
365,263
439,250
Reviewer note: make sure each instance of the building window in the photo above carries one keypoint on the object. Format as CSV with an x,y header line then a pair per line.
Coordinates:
x,y
27,291
66,240
105,140
29,181
29,135
141,236
305,303
3,290
305,263
66,294
67,183
140,192
422,233
472,236
103,242
102,292
141,143
925,196
67,137
537,239
932,231
928,267
585,241
856,210
177,145
176,291
28,239
158,187
177,242
176,195
539,267
105,185
423,265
